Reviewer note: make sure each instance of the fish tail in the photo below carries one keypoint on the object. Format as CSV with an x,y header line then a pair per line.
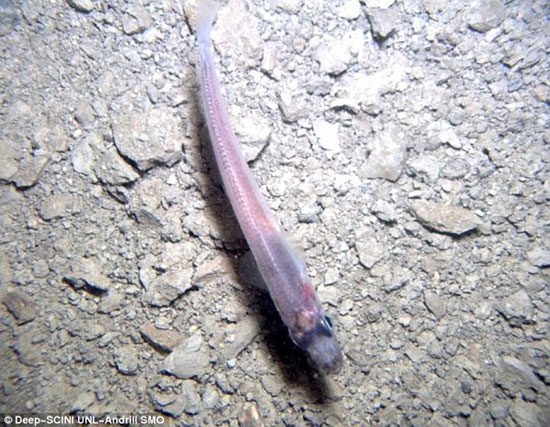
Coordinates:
x,y
206,12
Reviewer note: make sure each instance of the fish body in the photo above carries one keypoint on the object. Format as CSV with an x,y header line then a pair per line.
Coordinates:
x,y
281,268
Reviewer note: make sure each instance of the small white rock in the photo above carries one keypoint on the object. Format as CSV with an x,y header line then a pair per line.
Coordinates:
x,y
351,9
327,135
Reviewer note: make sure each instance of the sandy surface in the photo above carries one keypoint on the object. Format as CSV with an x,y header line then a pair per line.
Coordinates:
x,y
402,144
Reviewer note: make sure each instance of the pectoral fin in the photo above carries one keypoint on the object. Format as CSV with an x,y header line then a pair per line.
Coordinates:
x,y
249,273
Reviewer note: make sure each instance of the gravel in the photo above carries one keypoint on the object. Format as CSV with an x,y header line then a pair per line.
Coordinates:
x,y
401,145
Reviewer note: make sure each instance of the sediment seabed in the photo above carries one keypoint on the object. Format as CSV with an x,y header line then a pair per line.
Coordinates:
x,y
403,144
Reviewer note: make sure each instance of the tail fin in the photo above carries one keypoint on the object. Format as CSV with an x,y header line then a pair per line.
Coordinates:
x,y
206,12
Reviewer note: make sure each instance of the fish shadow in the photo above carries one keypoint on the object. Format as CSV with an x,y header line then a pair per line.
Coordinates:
x,y
292,363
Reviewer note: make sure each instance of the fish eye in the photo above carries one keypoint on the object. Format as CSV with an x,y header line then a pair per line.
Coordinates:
x,y
326,325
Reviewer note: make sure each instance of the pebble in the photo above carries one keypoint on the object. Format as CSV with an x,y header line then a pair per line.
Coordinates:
x,y
327,136
351,9
149,139
20,306
112,302
395,281
292,6
197,224
93,332
457,116
369,249
83,157
404,321
210,397
30,170
88,274
6,272
318,86
542,92
82,401
26,348
212,269
513,55
53,137
249,415
499,410
169,404
539,257
444,218
334,57
8,18
169,286
485,15
136,20
383,23
517,308
81,5
163,340
190,396
483,310
233,310
84,114
187,360
332,275
447,135
330,295
31,10
242,42
243,334
272,384
526,414
270,64
345,307
425,167
112,169
514,376
309,212
388,155
415,354
106,339
383,210
56,206
127,359
40,269
435,304
455,168
253,133
292,106
9,158
360,89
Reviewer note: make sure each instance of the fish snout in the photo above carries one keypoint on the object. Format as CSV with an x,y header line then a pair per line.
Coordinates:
x,y
322,347
326,354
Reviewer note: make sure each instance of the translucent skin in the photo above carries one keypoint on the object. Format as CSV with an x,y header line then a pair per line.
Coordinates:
x,y
280,267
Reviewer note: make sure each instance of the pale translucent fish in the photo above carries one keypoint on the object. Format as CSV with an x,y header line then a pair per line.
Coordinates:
x,y
281,268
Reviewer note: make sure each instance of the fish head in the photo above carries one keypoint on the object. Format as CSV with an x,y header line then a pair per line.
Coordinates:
x,y
320,344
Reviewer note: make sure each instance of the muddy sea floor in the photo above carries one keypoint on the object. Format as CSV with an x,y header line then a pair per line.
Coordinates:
x,y
403,145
